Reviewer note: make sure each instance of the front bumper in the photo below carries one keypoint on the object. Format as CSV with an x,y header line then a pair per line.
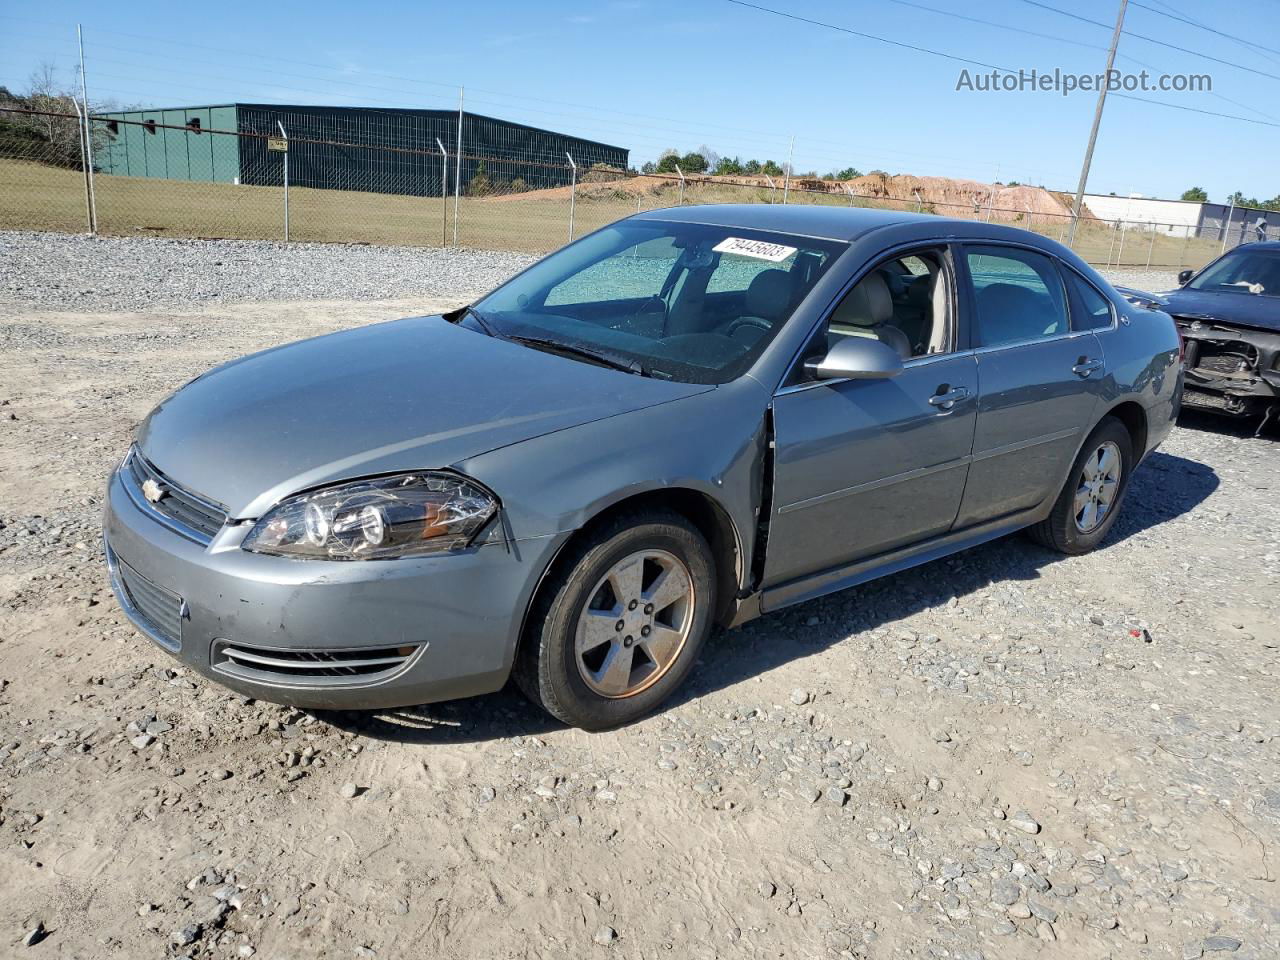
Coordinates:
x,y
289,631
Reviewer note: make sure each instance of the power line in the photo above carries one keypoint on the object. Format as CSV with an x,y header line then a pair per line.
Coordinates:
x,y
1075,43
865,36
1210,113
1140,36
1203,26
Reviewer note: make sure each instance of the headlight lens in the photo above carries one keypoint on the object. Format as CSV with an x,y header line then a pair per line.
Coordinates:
x,y
408,515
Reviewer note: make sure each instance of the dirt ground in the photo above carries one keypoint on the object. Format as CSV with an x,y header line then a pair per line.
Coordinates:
x,y
1002,754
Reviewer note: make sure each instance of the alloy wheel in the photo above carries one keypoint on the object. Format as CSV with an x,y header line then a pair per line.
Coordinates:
x,y
1096,491
635,623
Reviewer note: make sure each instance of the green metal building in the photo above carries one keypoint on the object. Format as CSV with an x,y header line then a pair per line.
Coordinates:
x,y
340,148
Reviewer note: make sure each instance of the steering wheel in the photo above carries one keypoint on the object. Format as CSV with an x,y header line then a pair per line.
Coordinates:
x,y
758,322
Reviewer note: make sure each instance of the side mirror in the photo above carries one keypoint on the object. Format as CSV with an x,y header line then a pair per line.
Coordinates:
x,y
1184,276
857,358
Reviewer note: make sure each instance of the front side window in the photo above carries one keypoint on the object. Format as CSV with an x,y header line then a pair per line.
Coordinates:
x,y
1018,295
680,301
903,302
1255,272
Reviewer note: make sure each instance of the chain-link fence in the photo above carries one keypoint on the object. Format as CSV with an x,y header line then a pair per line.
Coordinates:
x,y
149,179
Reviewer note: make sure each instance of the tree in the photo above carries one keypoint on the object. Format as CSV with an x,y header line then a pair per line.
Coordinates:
x,y
751,168
771,169
712,157
479,185
61,134
1196,194
693,162
848,173
649,167
727,167
667,161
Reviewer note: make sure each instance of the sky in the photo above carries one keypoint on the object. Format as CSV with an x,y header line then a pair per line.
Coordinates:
x,y
656,74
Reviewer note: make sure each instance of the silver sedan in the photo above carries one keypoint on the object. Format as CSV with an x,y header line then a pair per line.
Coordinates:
x,y
691,417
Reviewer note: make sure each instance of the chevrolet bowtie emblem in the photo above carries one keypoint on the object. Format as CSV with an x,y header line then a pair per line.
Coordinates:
x,y
152,490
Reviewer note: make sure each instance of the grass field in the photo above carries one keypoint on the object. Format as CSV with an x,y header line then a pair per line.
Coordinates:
x,y
36,196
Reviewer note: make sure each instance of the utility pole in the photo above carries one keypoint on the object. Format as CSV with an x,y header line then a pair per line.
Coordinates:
x,y
1097,121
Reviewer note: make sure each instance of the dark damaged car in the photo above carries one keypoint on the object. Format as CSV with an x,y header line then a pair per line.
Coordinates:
x,y
1229,317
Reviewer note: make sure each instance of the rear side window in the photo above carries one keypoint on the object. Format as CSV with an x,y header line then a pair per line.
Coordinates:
x,y
1090,310
1018,295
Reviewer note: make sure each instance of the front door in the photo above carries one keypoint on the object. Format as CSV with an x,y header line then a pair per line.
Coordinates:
x,y
865,466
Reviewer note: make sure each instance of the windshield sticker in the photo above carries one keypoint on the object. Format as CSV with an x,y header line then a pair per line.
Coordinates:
x,y
757,249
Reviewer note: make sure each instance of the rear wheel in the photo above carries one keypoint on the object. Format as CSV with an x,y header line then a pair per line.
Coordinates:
x,y
618,626
1090,500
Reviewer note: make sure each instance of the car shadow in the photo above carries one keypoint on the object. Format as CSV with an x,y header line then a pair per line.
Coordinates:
x,y
1164,487
1244,427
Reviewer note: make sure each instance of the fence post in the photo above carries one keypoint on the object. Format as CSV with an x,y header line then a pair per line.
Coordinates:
x,y
849,191
1226,227
786,174
88,135
88,203
457,174
1151,249
772,186
444,193
573,191
1120,252
681,172
280,124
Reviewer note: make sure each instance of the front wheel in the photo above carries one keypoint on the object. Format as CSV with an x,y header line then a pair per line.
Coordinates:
x,y
618,625
1090,501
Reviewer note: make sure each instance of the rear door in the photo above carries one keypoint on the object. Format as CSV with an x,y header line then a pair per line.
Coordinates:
x,y
1040,381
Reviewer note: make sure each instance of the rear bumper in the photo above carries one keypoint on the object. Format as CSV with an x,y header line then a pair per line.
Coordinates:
x,y
420,630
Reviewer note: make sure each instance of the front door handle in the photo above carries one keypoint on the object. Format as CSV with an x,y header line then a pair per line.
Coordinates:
x,y
945,399
1085,367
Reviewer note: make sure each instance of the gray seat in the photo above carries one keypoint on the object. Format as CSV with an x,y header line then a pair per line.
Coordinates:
x,y
866,311
767,300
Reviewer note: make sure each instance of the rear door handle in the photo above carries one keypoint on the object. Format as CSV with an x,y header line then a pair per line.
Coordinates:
x,y
1086,367
946,399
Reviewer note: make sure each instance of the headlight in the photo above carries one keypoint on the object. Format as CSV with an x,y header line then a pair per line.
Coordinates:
x,y
408,515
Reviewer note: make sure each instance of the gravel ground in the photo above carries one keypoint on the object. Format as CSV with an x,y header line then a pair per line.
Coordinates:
x,y
1004,754
73,272
70,272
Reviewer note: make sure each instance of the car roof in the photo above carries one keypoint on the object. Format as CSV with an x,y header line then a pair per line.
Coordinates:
x,y
826,222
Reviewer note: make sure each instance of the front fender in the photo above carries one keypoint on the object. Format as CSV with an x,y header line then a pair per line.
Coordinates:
x,y
713,444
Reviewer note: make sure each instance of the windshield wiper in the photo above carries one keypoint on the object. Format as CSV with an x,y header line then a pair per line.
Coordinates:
x,y
481,321
625,364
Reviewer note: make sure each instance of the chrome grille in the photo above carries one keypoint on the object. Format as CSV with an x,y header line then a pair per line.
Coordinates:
x,y
191,515
159,610
310,667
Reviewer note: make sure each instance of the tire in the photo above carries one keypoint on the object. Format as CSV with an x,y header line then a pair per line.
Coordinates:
x,y
1061,530
596,660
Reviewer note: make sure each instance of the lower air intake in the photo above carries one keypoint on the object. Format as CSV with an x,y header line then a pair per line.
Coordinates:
x,y
310,668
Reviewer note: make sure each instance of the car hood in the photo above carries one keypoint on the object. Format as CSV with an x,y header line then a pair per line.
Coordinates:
x,y
406,395
1244,309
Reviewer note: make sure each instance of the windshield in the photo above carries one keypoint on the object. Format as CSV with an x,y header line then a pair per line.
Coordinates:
x,y
1255,272
680,301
